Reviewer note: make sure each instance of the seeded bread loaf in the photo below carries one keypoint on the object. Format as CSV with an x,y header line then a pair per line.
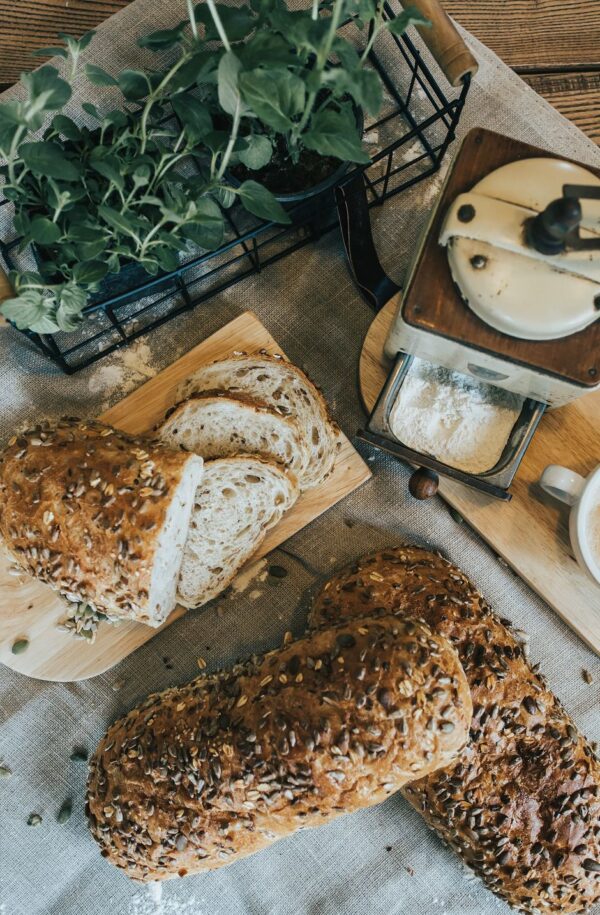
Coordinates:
x,y
202,775
99,515
285,388
239,499
521,804
217,425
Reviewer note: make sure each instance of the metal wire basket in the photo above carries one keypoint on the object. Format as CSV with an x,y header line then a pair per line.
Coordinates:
x,y
407,143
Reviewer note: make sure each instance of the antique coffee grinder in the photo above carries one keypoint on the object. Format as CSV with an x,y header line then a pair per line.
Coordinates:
x,y
504,289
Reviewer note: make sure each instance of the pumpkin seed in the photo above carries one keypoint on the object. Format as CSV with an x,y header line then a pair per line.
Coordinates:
x,y
64,814
20,646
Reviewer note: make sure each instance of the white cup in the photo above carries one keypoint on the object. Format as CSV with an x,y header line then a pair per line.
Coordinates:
x,y
583,495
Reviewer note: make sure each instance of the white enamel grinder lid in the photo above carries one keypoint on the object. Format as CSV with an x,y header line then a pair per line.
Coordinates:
x,y
508,283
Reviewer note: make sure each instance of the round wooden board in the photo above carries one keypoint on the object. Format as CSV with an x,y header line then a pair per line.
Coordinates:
x,y
531,533
372,371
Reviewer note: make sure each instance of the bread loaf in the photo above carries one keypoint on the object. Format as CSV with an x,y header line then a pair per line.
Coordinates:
x,y
99,515
239,499
521,804
284,387
202,775
217,425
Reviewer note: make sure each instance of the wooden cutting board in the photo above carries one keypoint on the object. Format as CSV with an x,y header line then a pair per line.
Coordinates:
x,y
30,609
531,531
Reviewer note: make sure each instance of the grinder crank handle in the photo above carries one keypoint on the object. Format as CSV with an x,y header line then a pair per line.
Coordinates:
x,y
355,225
444,41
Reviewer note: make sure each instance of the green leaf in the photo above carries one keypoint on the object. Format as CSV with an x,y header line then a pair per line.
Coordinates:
x,y
261,202
408,16
194,116
43,231
363,85
266,49
134,84
118,221
228,75
207,229
237,21
48,160
194,70
46,89
257,153
89,273
115,118
66,127
72,298
98,76
275,96
334,133
108,167
91,109
225,196
163,38
52,51
67,321
26,309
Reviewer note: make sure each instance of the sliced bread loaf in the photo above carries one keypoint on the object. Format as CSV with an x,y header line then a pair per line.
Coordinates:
x,y
237,502
220,425
285,388
99,515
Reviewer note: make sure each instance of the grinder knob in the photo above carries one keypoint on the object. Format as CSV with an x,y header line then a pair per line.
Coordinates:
x,y
423,483
549,231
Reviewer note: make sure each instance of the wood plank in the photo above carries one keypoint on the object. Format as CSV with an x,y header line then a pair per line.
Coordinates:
x,y
30,609
534,35
531,532
576,95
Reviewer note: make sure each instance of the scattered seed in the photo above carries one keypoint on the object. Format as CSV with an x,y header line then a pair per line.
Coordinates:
x,y
34,819
79,755
117,685
64,814
201,663
5,772
20,646
587,676
277,571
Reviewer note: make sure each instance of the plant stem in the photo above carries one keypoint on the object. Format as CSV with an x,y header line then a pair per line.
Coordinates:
x,y
315,10
377,26
154,95
218,24
233,137
192,18
12,153
320,64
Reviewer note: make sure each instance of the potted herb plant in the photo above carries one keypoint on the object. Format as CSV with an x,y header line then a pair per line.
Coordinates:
x,y
252,91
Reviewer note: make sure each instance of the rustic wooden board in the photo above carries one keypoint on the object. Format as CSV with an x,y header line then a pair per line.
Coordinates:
x,y
530,532
31,609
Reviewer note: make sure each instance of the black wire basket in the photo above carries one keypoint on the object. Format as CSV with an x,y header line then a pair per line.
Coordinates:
x,y
407,143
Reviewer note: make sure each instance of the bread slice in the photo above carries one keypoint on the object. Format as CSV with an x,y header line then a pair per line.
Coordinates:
x,y
239,499
99,515
219,425
285,388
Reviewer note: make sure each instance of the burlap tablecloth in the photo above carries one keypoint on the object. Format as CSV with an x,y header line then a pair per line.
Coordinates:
x,y
382,861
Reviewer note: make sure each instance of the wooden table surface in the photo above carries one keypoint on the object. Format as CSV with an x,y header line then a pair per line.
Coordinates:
x,y
553,44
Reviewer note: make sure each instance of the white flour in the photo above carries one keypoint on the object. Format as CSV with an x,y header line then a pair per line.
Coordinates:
x,y
129,368
454,418
151,901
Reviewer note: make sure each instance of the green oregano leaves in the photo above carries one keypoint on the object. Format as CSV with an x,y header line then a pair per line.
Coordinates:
x,y
152,175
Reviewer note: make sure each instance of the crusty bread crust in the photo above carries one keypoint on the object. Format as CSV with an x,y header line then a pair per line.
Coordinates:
x,y
81,507
521,804
202,775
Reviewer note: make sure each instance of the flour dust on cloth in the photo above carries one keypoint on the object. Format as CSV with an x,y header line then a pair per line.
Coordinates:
x,y
381,861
